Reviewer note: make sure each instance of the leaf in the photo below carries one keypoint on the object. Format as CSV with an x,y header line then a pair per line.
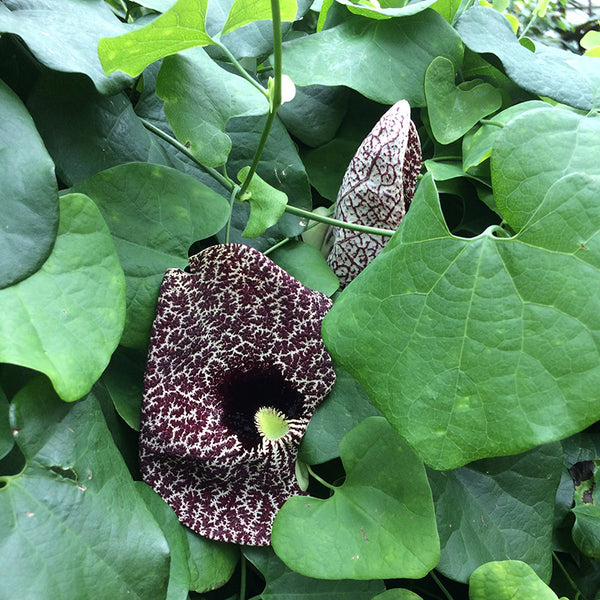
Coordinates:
x,y
485,511
63,35
397,594
477,145
6,434
267,205
29,217
282,583
453,110
174,532
346,54
346,406
86,132
308,265
183,26
390,8
586,529
479,347
200,98
211,563
508,580
533,152
154,214
485,30
243,12
378,524
66,319
124,378
76,505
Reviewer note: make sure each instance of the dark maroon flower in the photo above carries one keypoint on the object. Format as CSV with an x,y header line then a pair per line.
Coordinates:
x,y
376,191
235,370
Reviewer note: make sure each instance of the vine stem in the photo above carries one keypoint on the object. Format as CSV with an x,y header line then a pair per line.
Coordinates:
x,y
234,61
300,212
275,246
441,585
320,479
243,578
578,592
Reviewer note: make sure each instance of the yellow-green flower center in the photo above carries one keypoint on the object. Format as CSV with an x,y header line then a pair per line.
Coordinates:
x,y
271,423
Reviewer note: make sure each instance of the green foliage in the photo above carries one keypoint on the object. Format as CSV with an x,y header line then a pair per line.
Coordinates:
x,y
457,453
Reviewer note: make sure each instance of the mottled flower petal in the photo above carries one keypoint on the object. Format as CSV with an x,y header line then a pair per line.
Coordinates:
x,y
234,336
376,191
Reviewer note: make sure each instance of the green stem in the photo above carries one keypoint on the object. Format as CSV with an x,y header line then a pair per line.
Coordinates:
x,y
234,61
441,585
227,183
274,93
232,197
275,246
319,479
578,593
243,578
300,212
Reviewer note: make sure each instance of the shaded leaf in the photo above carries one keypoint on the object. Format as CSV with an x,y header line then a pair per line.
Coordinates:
x,y
200,98
6,434
154,214
402,49
452,109
485,30
308,265
346,406
485,346
183,26
498,508
586,529
378,524
64,34
76,504
508,580
28,192
282,583
66,319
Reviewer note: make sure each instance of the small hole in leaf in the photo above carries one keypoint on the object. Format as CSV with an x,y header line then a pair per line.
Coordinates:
x,y
242,393
65,473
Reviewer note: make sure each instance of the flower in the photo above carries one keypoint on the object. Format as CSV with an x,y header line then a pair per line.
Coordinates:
x,y
236,368
376,191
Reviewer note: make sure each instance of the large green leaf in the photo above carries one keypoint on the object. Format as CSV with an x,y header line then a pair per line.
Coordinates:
x,y
282,583
379,524
28,192
174,532
452,109
486,512
74,509
182,26
388,8
200,98
535,150
66,319
64,34
401,50
243,12
154,214
485,346
508,580
485,30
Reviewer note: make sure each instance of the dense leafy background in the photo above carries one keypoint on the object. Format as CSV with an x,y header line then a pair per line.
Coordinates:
x,y
458,453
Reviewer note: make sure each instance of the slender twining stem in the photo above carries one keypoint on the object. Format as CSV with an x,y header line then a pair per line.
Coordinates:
x,y
300,212
234,61
578,593
243,577
440,585
275,246
274,93
319,479
227,183
232,197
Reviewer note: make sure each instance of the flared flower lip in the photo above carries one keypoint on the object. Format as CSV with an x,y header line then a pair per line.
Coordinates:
x,y
376,191
235,334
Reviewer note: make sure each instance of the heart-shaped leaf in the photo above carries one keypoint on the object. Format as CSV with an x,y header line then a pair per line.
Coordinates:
x,y
484,346
66,319
243,12
378,524
452,109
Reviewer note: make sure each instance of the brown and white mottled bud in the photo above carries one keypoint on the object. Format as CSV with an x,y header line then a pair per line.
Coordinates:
x,y
376,191
236,368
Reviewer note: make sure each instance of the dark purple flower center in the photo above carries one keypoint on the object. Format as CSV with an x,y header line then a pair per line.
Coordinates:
x,y
242,393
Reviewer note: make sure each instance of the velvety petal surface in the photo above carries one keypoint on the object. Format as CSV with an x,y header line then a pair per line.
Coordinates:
x,y
376,190
235,334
